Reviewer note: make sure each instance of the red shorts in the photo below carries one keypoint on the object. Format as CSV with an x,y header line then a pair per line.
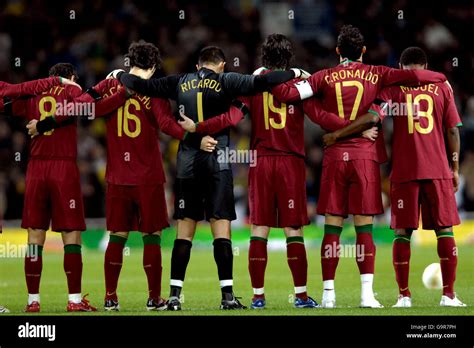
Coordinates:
x,y
136,208
277,192
350,187
53,194
437,201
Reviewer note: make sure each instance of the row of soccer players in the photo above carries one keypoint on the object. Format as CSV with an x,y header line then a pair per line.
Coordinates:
x,y
204,184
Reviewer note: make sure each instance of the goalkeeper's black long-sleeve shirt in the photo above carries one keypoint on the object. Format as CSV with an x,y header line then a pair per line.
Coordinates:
x,y
201,95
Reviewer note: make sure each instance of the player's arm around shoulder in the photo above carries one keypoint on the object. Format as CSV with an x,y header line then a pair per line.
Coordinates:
x,y
34,87
300,88
163,87
237,111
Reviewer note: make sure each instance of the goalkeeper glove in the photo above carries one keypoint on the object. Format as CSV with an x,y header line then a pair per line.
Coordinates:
x,y
300,73
114,74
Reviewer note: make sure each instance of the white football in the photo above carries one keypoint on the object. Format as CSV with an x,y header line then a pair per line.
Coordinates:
x,y
432,277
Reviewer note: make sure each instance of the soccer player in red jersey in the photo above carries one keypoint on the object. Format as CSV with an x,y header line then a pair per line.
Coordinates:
x,y
135,178
278,142
29,88
53,192
423,174
351,177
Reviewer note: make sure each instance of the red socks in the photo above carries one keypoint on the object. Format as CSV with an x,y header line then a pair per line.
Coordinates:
x,y
257,265
113,265
401,263
329,251
365,249
296,254
448,258
33,267
447,255
152,264
73,267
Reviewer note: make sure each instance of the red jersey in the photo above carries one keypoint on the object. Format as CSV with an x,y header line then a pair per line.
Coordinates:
x,y
277,128
59,143
133,150
349,90
418,150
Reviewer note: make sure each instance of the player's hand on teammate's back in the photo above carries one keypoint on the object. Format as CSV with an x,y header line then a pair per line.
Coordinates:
x,y
371,133
208,143
329,139
456,180
31,126
66,81
187,124
300,73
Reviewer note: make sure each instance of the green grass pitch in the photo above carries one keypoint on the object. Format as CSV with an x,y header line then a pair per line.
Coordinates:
x,y
202,295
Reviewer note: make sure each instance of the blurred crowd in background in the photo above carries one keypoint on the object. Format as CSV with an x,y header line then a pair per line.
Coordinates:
x,y
94,35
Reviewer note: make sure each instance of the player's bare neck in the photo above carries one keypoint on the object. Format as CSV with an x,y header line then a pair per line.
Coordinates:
x,y
212,67
414,67
347,60
139,72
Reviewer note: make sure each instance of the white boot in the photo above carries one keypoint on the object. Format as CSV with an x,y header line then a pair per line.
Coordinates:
x,y
367,294
451,302
403,302
329,294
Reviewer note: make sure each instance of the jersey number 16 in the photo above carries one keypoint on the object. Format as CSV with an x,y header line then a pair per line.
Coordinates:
x,y
124,117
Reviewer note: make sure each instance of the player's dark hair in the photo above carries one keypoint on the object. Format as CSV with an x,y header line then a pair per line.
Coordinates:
x,y
144,55
413,55
211,54
65,70
277,52
350,42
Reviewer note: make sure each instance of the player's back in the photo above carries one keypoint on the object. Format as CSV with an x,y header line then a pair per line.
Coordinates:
x,y
133,151
60,143
349,90
277,128
201,95
420,117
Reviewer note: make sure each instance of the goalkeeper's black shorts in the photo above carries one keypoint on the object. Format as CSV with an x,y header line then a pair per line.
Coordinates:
x,y
205,197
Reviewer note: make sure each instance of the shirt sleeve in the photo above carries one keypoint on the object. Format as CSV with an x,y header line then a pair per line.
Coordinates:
x,y
296,90
236,84
109,104
17,107
385,100
106,104
102,107
164,117
327,120
451,116
164,87
217,123
34,87
414,77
